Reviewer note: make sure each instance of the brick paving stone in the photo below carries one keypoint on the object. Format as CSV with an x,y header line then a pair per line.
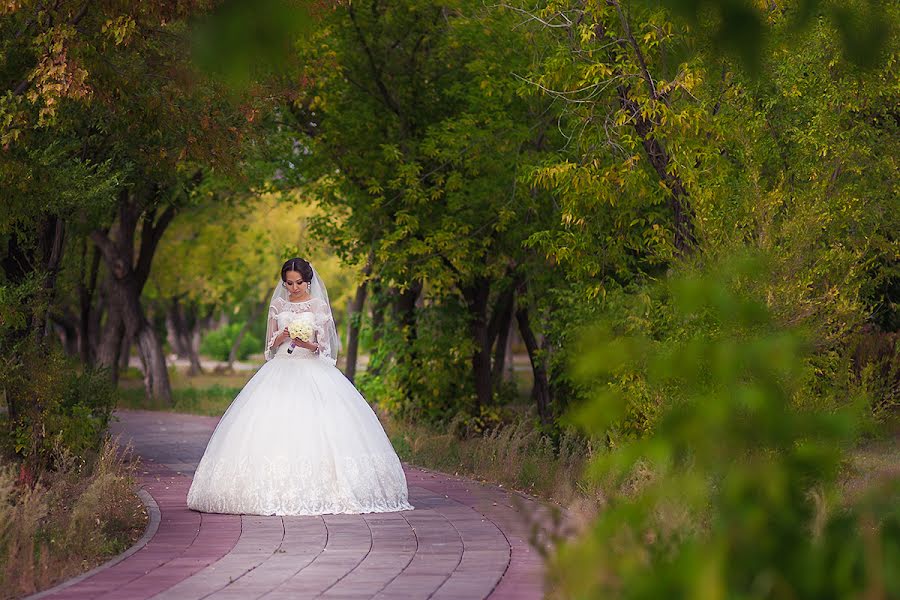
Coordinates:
x,y
464,541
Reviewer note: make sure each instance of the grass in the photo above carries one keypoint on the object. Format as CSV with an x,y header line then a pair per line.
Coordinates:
x,y
871,466
74,519
516,456
207,394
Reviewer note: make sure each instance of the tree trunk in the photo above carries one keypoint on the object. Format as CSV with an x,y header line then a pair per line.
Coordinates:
x,y
181,325
191,340
354,323
86,290
156,375
405,310
379,309
498,330
194,348
125,353
149,346
52,235
201,324
95,329
110,345
130,323
405,317
476,296
540,393
678,200
127,279
64,321
175,329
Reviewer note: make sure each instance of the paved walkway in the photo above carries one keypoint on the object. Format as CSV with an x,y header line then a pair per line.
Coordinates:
x,y
464,540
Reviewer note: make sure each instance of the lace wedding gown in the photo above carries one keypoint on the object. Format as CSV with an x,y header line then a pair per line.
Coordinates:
x,y
299,439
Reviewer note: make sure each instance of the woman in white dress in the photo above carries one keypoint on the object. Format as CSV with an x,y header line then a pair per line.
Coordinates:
x,y
299,439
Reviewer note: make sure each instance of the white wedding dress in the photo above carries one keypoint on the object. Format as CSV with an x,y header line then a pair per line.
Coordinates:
x,y
299,439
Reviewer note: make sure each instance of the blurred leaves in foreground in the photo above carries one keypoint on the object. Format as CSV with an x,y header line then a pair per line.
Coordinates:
x,y
733,493
739,27
244,41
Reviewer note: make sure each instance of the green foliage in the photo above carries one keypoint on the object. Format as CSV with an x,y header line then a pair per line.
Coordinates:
x,y
480,422
738,27
719,501
420,133
14,311
246,42
217,343
437,351
798,163
65,408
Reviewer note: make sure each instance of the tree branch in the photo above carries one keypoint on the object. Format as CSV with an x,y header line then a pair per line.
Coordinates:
x,y
105,245
636,48
151,234
373,65
26,83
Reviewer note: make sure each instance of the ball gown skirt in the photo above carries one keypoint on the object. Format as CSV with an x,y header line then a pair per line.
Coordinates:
x,y
299,439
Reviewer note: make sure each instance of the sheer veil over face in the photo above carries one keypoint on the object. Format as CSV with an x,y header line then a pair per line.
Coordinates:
x,y
319,305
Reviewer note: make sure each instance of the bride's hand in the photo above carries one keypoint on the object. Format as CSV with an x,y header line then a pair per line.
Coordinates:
x,y
311,346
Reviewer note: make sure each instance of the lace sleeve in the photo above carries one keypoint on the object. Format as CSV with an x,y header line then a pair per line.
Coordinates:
x,y
326,334
272,331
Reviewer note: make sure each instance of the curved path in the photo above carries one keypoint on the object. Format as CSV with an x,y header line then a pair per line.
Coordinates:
x,y
464,540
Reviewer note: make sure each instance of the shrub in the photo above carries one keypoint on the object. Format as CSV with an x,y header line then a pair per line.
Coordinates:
x,y
732,493
442,350
63,408
72,519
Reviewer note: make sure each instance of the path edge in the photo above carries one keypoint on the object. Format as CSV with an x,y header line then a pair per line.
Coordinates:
x,y
152,526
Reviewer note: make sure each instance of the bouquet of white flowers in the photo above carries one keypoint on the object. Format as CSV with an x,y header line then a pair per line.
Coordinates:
x,y
301,328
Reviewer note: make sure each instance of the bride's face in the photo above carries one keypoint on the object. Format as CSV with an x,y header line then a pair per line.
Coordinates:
x,y
294,283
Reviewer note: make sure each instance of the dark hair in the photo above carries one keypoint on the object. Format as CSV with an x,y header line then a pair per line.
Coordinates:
x,y
300,266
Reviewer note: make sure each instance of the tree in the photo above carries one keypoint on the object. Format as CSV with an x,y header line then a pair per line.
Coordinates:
x,y
417,139
89,74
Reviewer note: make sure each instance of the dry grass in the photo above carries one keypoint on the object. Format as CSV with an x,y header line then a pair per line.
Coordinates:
x,y
516,456
871,468
72,520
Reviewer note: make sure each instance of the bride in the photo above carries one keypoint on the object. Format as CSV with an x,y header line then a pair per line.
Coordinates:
x,y
299,439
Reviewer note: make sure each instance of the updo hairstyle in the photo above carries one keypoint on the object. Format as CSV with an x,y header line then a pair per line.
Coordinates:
x,y
300,266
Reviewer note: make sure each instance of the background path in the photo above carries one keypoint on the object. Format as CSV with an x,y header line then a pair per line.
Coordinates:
x,y
464,540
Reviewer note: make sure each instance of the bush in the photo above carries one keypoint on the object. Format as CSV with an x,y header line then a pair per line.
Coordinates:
x,y
217,344
733,493
70,521
62,408
428,380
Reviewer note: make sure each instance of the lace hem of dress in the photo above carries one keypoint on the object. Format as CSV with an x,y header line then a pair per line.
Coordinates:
x,y
288,486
